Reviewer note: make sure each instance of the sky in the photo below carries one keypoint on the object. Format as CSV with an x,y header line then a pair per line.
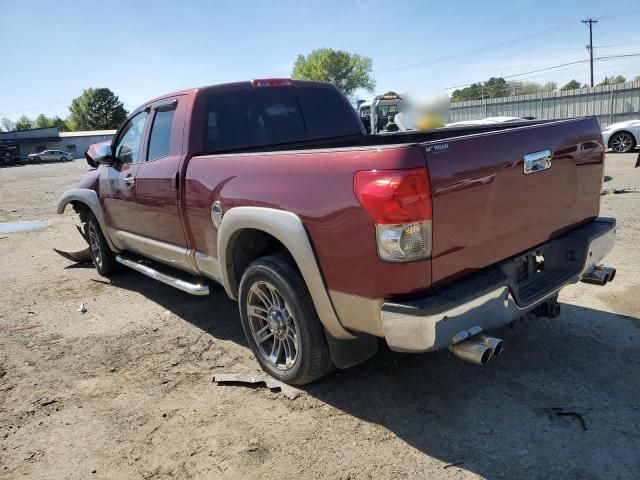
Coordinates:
x,y
52,50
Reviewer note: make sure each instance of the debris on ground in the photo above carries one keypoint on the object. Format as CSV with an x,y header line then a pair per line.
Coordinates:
x,y
574,412
80,256
618,191
454,464
522,452
83,307
238,378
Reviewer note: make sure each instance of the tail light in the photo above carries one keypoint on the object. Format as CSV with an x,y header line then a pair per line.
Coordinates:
x,y
272,82
399,202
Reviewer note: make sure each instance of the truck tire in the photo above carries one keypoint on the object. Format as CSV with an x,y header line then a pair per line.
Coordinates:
x,y
281,323
103,258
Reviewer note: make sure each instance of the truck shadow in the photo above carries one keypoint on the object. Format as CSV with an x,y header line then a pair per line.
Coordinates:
x,y
517,417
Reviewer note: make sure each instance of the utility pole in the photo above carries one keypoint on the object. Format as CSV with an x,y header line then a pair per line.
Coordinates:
x,y
590,22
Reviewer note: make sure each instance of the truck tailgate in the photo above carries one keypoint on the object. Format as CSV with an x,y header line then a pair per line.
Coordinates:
x,y
486,209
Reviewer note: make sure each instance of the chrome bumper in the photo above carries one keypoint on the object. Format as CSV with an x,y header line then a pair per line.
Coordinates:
x,y
410,330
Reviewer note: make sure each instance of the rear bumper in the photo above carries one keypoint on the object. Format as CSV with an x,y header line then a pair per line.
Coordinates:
x,y
494,297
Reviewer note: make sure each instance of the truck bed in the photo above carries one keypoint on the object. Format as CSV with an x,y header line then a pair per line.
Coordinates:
x,y
395,138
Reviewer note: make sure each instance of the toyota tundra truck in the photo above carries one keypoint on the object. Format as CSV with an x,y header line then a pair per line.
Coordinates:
x,y
331,239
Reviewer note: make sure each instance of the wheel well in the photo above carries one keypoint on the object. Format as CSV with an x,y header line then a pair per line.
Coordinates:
x,y
248,245
635,142
81,209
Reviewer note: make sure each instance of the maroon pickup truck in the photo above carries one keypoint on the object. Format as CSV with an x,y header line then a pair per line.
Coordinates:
x,y
330,238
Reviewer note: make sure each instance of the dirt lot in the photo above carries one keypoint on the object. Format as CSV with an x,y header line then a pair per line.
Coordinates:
x,y
125,390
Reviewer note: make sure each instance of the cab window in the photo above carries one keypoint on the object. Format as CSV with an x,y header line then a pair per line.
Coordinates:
x,y
160,138
128,144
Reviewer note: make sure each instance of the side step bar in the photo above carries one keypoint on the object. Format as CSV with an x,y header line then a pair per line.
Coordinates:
x,y
192,288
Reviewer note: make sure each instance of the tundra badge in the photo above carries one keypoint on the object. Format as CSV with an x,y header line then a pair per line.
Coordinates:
x,y
536,161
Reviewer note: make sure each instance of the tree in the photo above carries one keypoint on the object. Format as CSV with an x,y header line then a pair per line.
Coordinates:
x,y
550,86
495,87
7,125
637,78
60,123
23,123
612,80
347,71
97,109
571,85
525,88
472,92
42,121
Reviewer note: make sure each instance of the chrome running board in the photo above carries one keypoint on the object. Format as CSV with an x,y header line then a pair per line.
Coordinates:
x,y
192,288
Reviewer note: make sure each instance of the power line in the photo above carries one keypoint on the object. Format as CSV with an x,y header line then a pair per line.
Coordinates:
x,y
476,50
35,108
554,67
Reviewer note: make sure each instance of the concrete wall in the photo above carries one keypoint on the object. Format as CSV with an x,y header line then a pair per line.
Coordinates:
x,y
609,104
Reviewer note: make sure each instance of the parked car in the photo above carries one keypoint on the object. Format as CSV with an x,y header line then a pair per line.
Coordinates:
x,y
486,121
622,137
330,238
50,156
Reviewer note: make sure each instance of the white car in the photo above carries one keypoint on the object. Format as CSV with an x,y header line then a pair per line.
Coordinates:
x,y
622,137
50,156
486,121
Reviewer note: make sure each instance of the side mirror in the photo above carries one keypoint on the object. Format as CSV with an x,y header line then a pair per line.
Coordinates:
x,y
104,155
100,153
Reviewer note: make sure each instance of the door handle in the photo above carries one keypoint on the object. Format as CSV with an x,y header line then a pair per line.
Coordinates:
x,y
129,180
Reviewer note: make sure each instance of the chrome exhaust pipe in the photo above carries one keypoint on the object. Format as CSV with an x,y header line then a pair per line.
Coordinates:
x,y
599,276
472,351
495,344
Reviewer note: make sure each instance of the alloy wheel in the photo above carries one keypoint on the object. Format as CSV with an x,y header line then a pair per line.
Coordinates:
x,y
272,326
94,244
621,143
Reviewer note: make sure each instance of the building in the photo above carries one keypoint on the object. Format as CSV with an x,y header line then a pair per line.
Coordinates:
x,y
36,140
78,142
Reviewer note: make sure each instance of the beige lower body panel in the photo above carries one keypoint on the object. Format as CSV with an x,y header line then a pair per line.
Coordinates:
x,y
358,314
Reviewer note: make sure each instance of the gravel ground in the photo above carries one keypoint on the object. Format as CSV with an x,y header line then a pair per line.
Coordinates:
x,y
124,390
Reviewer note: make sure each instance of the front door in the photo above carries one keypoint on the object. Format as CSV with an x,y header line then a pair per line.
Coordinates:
x,y
118,184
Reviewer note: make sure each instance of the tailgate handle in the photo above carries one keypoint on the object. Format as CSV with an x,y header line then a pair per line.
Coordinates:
x,y
537,161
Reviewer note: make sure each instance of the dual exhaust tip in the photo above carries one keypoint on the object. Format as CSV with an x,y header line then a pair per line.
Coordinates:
x,y
478,349
600,276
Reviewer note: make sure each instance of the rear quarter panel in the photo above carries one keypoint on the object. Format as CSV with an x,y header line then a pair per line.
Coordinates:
x,y
317,186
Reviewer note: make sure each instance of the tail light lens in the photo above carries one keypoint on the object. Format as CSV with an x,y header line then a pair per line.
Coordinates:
x,y
399,202
272,82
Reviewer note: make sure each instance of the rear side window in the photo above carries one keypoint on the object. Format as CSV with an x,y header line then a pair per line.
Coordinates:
x,y
160,139
272,116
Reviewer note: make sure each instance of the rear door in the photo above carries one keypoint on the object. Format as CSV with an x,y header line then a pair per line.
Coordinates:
x,y
118,184
487,208
158,182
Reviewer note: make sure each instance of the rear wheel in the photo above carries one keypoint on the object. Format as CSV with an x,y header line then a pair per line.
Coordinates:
x,y
103,258
622,142
281,323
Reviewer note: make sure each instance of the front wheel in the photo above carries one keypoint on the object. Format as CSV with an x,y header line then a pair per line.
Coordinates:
x,y
622,142
37,159
103,258
281,323
63,159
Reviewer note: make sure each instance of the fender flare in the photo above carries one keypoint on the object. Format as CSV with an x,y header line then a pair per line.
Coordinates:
x,y
289,230
91,200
